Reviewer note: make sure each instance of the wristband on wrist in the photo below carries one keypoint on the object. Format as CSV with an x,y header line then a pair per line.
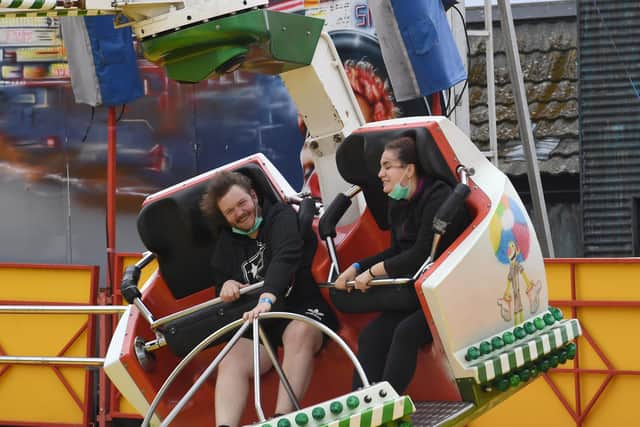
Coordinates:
x,y
371,272
356,265
265,299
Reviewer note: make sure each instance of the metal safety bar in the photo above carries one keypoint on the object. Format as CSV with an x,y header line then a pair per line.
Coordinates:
x,y
374,282
147,257
256,372
187,311
243,325
276,364
296,199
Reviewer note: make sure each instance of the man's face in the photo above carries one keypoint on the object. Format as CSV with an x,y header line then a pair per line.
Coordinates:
x,y
239,207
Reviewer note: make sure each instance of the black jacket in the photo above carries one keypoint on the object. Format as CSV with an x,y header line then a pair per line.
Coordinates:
x,y
275,255
411,223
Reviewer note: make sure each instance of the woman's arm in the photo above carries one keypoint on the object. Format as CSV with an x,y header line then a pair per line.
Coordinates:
x,y
407,262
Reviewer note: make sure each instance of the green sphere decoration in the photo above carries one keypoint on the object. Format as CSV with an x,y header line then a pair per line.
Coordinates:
x,y
502,384
508,338
562,356
571,351
549,319
538,322
554,360
472,354
514,380
545,365
557,313
302,419
497,343
485,347
284,423
335,407
529,327
318,413
352,402
519,332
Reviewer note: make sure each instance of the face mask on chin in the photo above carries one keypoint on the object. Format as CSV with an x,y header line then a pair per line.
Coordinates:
x,y
399,191
256,225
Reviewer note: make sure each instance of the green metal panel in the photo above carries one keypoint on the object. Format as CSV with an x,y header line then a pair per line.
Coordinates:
x,y
260,41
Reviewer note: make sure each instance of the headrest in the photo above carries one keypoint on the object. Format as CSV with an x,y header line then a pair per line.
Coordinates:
x,y
358,161
175,229
261,184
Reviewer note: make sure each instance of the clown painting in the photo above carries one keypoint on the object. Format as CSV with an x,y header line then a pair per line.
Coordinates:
x,y
510,239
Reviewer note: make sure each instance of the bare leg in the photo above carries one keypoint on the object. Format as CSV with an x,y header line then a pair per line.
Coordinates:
x,y
301,342
232,384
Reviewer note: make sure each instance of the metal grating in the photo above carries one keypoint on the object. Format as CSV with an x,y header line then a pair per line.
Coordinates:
x,y
609,108
432,414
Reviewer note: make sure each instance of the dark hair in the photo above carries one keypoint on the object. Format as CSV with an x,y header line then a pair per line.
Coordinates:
x,y
406,150
220,184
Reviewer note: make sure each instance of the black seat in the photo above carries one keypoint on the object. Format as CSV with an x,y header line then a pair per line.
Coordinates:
x,y
183,239
368,146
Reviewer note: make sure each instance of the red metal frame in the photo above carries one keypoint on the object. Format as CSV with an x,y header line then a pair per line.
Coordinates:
x,y
206,176
88,326
579,415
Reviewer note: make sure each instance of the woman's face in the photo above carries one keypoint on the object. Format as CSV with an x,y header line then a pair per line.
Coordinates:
x,y
392,171
238,207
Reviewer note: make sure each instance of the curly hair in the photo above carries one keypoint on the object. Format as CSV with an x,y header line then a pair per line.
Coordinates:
x,y
218,187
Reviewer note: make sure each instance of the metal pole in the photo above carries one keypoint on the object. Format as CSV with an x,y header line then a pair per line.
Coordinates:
x,y
106,324
55,361
203,377
111,197
61,309
220,332
256,371
526,134
276,365
491,83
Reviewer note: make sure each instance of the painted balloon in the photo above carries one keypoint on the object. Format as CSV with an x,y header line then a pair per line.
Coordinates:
x,y
509,231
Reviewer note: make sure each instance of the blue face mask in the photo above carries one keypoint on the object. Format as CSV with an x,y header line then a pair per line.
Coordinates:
x,y
400,192
256,225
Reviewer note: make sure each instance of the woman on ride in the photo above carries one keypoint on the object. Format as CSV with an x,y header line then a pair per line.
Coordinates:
x,y
388,346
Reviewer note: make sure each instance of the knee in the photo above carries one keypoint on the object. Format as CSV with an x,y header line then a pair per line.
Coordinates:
x,y
300,336
234,365
406,337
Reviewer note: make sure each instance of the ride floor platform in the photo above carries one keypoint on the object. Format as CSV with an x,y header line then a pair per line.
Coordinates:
x,y
432,414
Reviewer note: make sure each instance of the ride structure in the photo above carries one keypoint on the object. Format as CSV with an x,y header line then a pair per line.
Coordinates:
x,y
485,298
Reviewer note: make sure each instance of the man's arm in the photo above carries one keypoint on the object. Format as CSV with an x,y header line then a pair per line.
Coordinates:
x,y
286,245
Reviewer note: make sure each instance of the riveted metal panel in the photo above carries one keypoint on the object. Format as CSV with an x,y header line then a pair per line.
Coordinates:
x,y
609,108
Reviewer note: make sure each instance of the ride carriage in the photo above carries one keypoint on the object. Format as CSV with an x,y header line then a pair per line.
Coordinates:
x,y
484,298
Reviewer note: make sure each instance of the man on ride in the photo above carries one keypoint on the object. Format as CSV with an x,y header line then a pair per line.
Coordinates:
x,y
262,242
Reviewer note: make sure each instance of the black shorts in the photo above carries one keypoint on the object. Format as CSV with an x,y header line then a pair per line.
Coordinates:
x,y
314,308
